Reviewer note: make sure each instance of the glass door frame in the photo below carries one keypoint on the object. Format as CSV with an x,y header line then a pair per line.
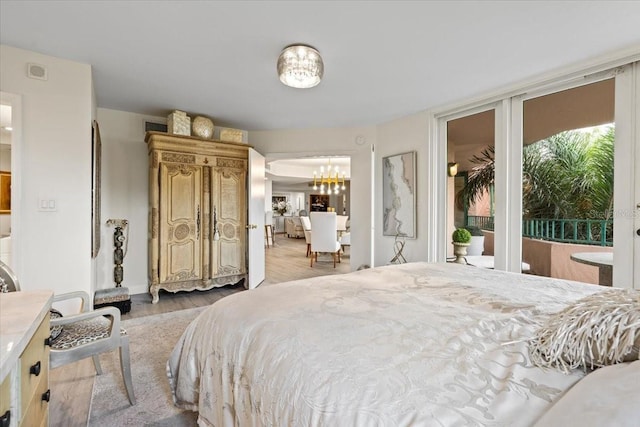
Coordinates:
x,y
623,248
508,173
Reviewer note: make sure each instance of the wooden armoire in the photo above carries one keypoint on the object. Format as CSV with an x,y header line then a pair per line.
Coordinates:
x,y
197,213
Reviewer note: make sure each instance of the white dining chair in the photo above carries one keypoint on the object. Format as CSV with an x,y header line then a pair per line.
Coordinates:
x,y
323,237
306,226
342,224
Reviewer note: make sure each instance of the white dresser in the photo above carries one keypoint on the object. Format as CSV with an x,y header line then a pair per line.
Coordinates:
x,y
278,223
24,358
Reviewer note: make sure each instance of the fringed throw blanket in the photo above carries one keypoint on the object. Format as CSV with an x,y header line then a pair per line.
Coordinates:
x,y
595,331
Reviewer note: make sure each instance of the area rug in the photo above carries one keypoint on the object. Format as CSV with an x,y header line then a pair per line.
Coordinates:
x,y
151,339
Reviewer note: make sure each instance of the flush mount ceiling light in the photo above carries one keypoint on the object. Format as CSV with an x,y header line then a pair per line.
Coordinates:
x,y
300,66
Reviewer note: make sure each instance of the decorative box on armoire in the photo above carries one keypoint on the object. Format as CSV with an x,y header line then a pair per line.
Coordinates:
x,y
197,213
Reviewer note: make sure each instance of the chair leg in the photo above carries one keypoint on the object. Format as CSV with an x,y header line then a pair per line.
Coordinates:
x,y
308,249
266,234
334,259
311,259
96,363
125,365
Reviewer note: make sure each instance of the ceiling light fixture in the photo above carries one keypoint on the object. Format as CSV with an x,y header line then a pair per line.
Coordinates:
x,y
332,177
300,66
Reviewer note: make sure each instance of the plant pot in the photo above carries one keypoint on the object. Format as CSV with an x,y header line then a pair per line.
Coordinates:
x,y
476,246
460,250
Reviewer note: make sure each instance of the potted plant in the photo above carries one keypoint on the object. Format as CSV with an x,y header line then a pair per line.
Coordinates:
x,y
461,238
477,241
281,207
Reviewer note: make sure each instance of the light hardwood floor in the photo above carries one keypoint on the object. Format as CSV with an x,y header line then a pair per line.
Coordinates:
x,y
71,385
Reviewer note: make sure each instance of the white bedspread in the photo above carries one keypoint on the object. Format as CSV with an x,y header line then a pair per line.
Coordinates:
x,y
408,345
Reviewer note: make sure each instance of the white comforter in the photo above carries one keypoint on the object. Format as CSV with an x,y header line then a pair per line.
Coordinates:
x,y
409,345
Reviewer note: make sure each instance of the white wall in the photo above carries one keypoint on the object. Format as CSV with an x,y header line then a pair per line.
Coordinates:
x,y
55,247
268,192
400,136
125,183
339,141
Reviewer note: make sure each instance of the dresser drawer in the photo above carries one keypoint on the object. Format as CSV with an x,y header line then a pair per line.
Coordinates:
x,y
34,360
5,396
38,408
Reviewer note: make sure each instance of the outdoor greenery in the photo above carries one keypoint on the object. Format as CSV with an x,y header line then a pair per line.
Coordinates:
x,y
568,175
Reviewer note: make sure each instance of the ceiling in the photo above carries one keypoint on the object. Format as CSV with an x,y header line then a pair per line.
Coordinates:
x,y
383,59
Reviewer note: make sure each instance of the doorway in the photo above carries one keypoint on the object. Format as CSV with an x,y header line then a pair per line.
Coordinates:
x,y
470,146
9,179
568,143
291,195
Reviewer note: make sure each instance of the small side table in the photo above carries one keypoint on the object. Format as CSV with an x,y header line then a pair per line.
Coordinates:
x,y
602,260
118,297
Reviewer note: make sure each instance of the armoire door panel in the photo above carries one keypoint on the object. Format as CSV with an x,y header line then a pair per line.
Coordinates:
x,y
230,257
229,183
180,222
182,186
228,194
182,262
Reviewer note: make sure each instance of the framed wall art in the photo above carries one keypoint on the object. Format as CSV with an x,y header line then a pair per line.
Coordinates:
x,y
5,192
399,195
96,160
318,202
280,204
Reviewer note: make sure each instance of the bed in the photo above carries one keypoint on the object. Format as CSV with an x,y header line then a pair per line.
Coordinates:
x,y
416,344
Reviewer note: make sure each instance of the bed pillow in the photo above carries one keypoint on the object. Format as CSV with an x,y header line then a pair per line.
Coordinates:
x,y
605,397
55,330
597,330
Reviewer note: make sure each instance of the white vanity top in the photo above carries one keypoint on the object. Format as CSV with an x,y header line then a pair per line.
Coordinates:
x,y
20,316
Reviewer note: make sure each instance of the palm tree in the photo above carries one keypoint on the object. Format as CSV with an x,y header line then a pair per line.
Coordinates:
x,y
568,175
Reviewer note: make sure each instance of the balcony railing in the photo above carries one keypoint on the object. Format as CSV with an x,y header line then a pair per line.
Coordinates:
x,y
598,232
482,222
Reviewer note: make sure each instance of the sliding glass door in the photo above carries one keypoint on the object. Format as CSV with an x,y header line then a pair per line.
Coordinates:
x,y
564,181
568,142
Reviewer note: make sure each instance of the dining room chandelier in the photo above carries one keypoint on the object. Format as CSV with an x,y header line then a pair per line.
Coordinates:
x,y
329,181
300,66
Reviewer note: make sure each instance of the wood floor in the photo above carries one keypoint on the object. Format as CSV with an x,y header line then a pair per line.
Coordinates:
x,y
71,385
